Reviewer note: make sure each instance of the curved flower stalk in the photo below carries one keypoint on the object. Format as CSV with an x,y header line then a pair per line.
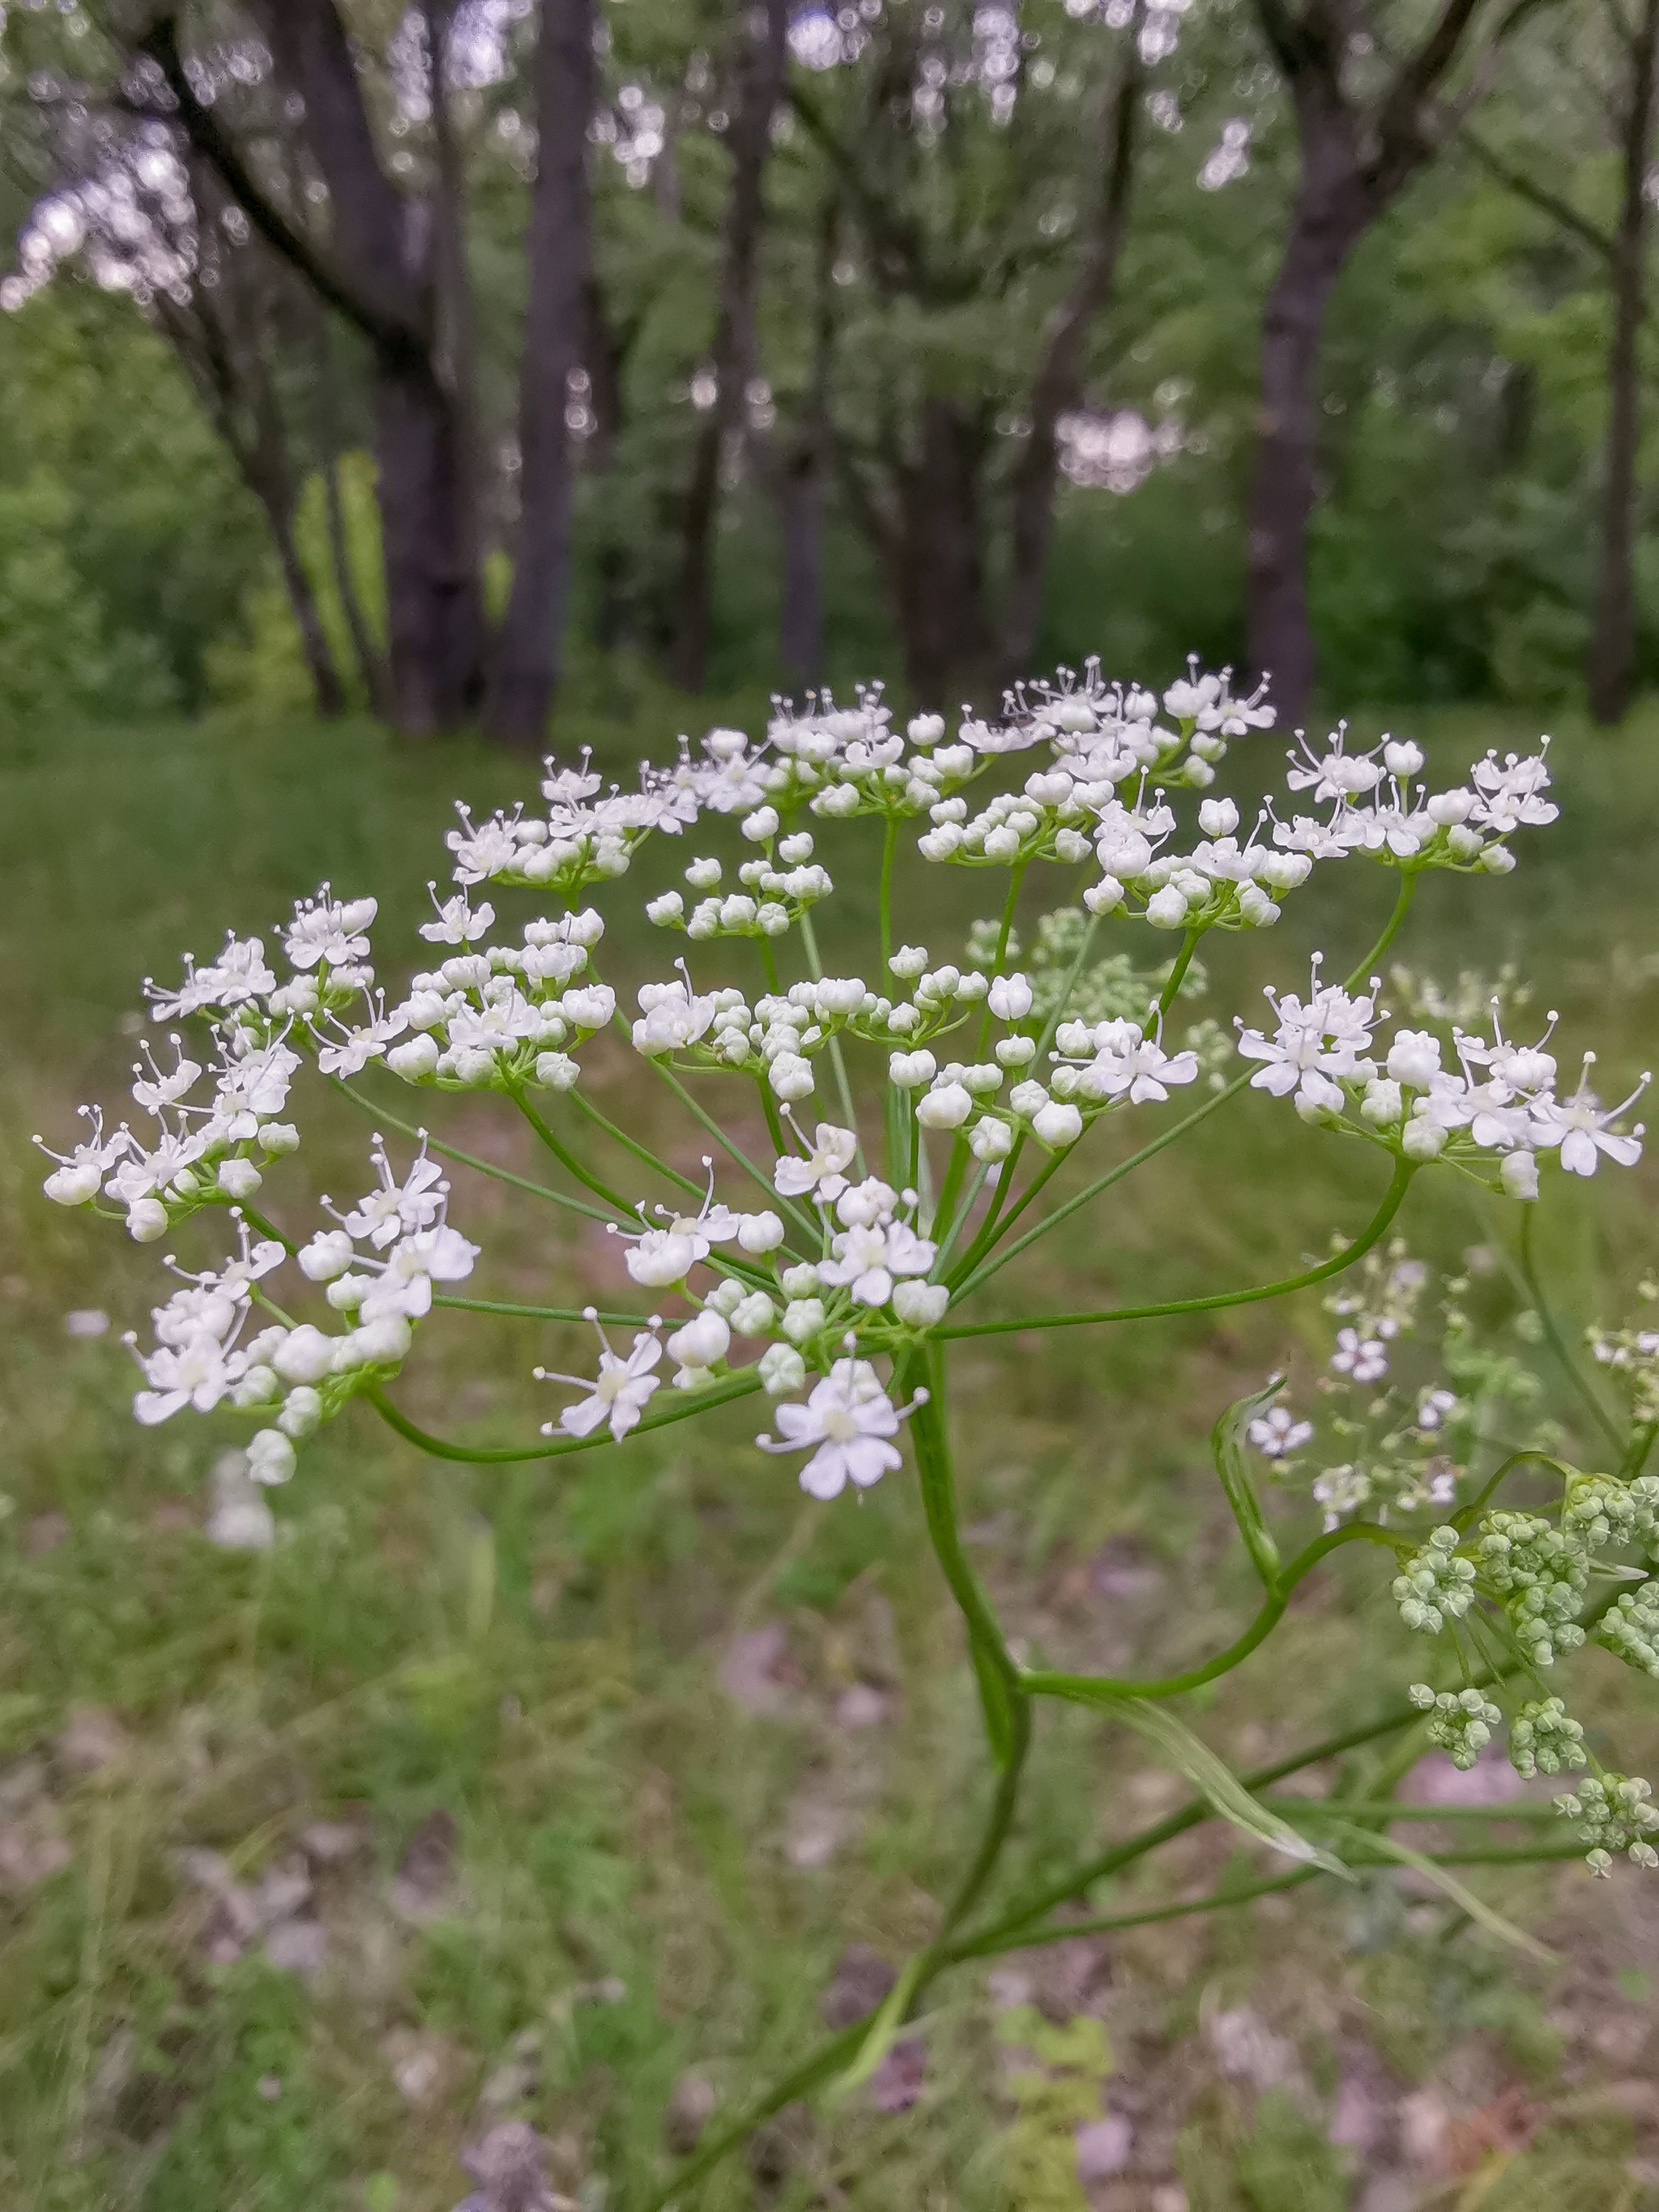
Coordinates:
x,y
920,1113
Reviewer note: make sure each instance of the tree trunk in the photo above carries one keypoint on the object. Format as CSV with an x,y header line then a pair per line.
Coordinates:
x,y
556,315
1330,216
327,687
1612,645
939,583
1059,379
434,611
765,58
802,498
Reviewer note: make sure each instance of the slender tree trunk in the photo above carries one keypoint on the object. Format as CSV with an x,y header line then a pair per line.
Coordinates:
x,y
327,687
802,482
528,650
940,580
802,498
764,61
371,663
1058,383
1612,645
1330,215
435,609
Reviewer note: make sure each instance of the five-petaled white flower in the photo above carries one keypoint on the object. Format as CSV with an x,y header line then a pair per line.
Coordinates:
x,y
851,1419
823,1172
1363,1357
619,1394
868,1256
1278,1432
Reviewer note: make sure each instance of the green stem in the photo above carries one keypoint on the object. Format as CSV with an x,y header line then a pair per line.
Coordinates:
x,y
1092,1191
1065,990
1177,975
1396,1808
1375,1228
1557,1342
1105,1924
643,1153
468,1159
266,1228
1083,1689
569,1161
511,1312
701,1401
983,1242
734,1151
827,2061
1391,929
837,1059
1642,1437
884,896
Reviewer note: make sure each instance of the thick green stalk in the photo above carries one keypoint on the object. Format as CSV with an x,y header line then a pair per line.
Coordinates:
x,y
1375,1228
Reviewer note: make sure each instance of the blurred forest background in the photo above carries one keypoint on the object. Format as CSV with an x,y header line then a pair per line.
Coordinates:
x,y
429,359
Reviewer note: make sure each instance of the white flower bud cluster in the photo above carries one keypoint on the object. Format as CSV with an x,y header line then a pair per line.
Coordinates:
x,y
774,892
1614,1814
1540,1573
1631,1628
1435,1585
1461,1721
1544,1738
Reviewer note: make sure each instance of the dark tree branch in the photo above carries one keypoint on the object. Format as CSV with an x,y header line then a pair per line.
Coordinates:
x,y
202,129
1527,187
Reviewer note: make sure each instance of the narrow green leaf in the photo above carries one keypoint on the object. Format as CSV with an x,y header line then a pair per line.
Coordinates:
x,y
1215,1780
1232,1450
1444,1880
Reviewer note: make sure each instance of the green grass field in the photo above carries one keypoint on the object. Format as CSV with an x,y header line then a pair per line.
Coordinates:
x,y
577,1794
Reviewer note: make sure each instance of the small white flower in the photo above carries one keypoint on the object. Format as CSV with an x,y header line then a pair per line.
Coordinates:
x,y
867,1257
619,1396
850,1420
1278,1432
822,1172
457,922
759,1233
1363,1358
1519,1171
802,1319
1583,1129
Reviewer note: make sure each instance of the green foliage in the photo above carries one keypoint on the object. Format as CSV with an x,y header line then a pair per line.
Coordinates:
x,y
134,543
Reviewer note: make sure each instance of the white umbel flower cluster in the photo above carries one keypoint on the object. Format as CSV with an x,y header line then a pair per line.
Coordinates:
x,y
874,1219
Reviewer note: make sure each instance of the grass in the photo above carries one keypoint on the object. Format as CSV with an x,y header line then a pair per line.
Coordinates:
x,y
564,1865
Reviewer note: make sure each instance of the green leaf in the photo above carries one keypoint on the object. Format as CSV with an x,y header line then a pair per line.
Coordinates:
x,y
1215,1780
1227,1442
1462,1897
